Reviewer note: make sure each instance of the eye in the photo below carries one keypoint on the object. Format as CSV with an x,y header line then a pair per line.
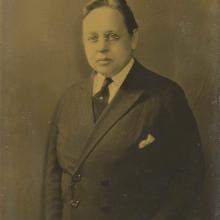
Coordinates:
x,y
92,38
113,37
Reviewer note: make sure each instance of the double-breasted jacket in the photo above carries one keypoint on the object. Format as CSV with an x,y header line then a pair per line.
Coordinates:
x,y
141,160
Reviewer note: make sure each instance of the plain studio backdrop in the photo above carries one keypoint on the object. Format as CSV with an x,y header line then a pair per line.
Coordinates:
x,y
42,55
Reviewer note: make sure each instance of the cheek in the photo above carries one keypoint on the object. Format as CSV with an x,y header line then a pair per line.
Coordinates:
x,y
121,53
124,48
90,52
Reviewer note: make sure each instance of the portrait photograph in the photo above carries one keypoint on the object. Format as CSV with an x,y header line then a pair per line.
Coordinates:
x,y
109,110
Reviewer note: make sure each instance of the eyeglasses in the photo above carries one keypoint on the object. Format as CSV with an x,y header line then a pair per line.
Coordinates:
x,y
110,37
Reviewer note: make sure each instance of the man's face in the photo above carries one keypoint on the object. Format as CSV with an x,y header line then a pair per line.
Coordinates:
x,y
108,45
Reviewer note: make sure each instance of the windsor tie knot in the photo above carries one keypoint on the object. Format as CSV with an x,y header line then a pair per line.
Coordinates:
x,y
104,91
106,83
100,99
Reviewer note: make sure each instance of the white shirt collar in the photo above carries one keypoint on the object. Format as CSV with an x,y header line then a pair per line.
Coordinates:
x,y
118,79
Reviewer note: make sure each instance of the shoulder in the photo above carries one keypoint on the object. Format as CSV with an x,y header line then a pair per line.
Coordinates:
x,y
170,96
156,84
71,96
74,91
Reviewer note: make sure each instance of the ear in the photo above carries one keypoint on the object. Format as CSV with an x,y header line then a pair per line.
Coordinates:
x,y
134,39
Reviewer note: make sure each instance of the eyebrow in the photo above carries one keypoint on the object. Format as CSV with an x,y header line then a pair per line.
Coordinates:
x,y
111,31
107,32
90,33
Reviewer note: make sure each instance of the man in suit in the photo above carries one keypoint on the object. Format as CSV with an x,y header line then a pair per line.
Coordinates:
x,y
123,145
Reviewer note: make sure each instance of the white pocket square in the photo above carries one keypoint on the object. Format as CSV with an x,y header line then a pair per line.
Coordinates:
x,y
149,140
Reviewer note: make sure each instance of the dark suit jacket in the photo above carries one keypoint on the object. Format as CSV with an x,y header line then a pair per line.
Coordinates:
x,y
96,171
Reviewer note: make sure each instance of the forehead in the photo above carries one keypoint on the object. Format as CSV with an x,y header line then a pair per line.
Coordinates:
x,y
103,19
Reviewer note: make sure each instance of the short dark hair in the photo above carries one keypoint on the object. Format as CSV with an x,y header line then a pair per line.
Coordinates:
x,y
120,5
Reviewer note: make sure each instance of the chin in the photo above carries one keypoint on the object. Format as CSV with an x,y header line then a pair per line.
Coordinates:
x,y
104,72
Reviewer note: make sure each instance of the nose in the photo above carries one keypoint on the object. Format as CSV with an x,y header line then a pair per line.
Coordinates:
x,y
102,45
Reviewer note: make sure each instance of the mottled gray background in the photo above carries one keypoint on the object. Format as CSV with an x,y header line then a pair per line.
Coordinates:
x,y
42,55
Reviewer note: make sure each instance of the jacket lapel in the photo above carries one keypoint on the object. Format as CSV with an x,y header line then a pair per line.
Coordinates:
x,y
129,93
86,102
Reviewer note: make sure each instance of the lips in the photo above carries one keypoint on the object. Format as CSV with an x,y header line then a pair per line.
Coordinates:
x,y
104,61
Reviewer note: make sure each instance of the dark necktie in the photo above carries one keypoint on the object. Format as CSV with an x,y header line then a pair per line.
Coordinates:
x,y
100,99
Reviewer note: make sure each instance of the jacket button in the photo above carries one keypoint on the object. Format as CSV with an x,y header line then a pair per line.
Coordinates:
x,y
77,177
75,203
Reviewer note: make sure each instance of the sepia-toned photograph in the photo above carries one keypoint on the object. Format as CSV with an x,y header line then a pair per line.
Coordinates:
x,y
109,110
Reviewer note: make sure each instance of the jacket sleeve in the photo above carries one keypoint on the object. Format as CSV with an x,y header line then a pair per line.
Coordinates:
x,y
179,129
52,205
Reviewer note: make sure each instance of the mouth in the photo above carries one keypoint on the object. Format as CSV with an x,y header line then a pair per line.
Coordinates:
x,y
104,61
